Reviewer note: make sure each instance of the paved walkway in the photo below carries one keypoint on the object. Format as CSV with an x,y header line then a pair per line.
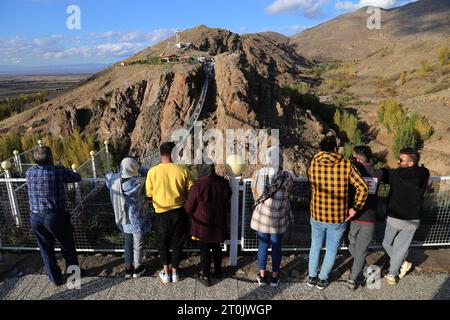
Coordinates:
x,y
35,286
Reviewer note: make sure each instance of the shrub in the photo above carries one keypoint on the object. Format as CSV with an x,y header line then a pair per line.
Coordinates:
x,y
425,67
422,126
348,125
390,114
8,143
70,150
444,56
405,136
402,78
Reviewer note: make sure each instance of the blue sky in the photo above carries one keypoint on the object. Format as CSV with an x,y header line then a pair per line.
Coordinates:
x,y
34,32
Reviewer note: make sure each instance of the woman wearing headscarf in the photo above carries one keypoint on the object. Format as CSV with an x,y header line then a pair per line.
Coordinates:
x,y
131,211
209,203
272,212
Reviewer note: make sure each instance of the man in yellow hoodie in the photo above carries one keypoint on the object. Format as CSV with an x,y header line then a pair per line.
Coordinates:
x,y
330,175
168,185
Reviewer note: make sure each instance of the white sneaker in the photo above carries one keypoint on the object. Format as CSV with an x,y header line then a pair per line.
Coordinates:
x,y
406,266
165,278
175,277
390,279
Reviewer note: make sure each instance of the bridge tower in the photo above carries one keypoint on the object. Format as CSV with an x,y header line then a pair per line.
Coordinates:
x,y
178,43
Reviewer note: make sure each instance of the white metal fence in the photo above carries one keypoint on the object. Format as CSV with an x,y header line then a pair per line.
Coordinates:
x,y
98,165
434,228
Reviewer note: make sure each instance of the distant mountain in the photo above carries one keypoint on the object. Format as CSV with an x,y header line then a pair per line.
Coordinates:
x,y
346,37
86,68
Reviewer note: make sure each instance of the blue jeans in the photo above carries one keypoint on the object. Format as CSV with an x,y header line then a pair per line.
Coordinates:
x,y
48,227
263,247
333,234
134,249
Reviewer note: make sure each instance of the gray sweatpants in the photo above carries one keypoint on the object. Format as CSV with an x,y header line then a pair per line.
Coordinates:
x,y
360,237
397,239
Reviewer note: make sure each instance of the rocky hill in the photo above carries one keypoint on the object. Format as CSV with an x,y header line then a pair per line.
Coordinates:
x,y
138,102
400,61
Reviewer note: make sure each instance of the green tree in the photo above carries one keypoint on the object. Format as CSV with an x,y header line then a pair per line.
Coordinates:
x,y
390,114
405,136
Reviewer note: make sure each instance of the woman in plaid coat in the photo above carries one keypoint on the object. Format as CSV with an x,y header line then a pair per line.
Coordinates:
x,y
272,214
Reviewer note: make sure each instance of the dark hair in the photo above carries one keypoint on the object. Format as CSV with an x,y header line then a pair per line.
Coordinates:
x,y
165,149
412,153
364,152
43,156
328,144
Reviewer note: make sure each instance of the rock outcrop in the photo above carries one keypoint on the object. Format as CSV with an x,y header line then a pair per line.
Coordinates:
x,y
139,105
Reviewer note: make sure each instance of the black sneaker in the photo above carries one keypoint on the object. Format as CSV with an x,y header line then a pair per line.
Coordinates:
x,y
204,280
262,281
129,272
321,284
139,271
311,282
275,282
218,274
60,282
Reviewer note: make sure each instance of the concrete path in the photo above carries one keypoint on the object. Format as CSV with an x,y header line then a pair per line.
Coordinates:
x,y
35,286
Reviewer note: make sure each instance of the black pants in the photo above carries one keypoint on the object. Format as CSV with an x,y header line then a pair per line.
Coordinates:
x,y
48,227
171,232
205,257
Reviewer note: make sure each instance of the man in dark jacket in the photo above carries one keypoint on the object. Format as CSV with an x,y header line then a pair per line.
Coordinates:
x,y
209,203
362,227
408,185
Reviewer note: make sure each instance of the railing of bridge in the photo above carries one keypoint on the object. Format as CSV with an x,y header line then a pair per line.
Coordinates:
x,y
152,158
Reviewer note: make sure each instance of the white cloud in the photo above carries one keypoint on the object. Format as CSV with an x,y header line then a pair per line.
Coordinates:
x,y
110,44
295,29
349,5
308,8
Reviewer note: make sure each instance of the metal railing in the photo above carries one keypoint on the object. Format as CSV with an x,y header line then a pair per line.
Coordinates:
x,y
95,229
21,162
434,229
97,166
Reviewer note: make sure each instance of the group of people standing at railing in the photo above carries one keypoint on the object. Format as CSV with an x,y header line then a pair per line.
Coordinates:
x,y
344,198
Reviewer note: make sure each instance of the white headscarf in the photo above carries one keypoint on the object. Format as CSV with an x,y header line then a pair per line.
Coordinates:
x,y
128,168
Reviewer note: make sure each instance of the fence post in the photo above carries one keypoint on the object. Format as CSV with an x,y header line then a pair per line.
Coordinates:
x,y
77,187
108,163
6,165
17,161
40,143
234,215
94,173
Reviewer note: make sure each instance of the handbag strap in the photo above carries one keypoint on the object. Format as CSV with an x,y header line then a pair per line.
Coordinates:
x,y
261,200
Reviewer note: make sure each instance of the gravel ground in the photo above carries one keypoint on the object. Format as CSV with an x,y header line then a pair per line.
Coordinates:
x,y
32,287
22,277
